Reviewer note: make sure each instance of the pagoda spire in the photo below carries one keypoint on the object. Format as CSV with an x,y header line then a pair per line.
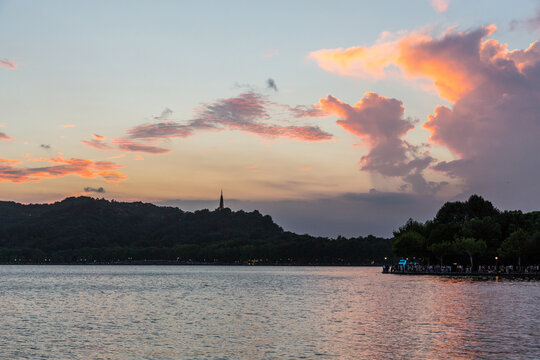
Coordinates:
x,y
221,207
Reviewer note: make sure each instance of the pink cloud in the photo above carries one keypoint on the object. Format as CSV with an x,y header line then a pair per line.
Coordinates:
x,y
492,127
8,64
125,145
440,5
136,147
381,123
4,136
98,144
249,112
10,171
160,130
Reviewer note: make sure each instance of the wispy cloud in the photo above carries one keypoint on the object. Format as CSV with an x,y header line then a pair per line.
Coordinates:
x,y
4,136
7,64
136,147
10,170
98,144
249,112
531,23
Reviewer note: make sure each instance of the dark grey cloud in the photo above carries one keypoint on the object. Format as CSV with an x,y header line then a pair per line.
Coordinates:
x,y
45,146
100,189
165,114
271,84
531,23
4,136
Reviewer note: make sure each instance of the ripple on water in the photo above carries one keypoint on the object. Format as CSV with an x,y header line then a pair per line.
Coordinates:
x,y
198,312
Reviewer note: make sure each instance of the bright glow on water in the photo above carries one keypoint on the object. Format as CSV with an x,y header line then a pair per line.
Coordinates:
x,y
211,312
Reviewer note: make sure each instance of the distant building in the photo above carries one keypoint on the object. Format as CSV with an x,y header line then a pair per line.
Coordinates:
x,y
221,207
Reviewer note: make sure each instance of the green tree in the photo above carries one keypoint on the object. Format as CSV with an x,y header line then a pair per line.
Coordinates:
x,y
409,244
441,249
470,246
514,245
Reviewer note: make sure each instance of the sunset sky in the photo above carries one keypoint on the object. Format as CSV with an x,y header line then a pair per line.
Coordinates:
x,y
343,117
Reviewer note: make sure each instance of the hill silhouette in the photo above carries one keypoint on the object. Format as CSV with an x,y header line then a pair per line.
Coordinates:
x,y
87,230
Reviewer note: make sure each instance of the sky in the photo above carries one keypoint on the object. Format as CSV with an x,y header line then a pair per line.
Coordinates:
x,y
343,118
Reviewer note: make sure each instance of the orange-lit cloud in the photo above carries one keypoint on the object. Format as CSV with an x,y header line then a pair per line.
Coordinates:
x,y
68,125
10,170
139,158
36,159
8,64
250,167
417,55
98,137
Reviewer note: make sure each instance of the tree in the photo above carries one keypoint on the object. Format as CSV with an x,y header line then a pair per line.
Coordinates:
x,y
409,244
514,245
441,249
470,246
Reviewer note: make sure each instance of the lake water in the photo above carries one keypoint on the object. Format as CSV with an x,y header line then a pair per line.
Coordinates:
x,y
215,312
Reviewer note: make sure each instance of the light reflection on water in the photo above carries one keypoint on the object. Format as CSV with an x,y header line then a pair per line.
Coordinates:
x,y
211,312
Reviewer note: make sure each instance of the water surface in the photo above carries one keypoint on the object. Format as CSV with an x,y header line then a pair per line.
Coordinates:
x,y
214,312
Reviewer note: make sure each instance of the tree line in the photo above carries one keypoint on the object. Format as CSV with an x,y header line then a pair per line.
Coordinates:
x,y
88,230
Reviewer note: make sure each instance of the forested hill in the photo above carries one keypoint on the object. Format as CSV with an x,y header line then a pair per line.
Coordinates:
x,y
84,229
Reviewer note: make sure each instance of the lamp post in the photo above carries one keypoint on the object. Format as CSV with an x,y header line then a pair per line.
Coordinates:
x,y
497,264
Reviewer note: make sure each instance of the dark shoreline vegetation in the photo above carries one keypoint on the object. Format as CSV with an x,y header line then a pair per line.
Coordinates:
x,y
470,237
85,230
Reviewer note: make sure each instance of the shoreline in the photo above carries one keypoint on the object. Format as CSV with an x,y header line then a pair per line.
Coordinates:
x,y
460,275
174,263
